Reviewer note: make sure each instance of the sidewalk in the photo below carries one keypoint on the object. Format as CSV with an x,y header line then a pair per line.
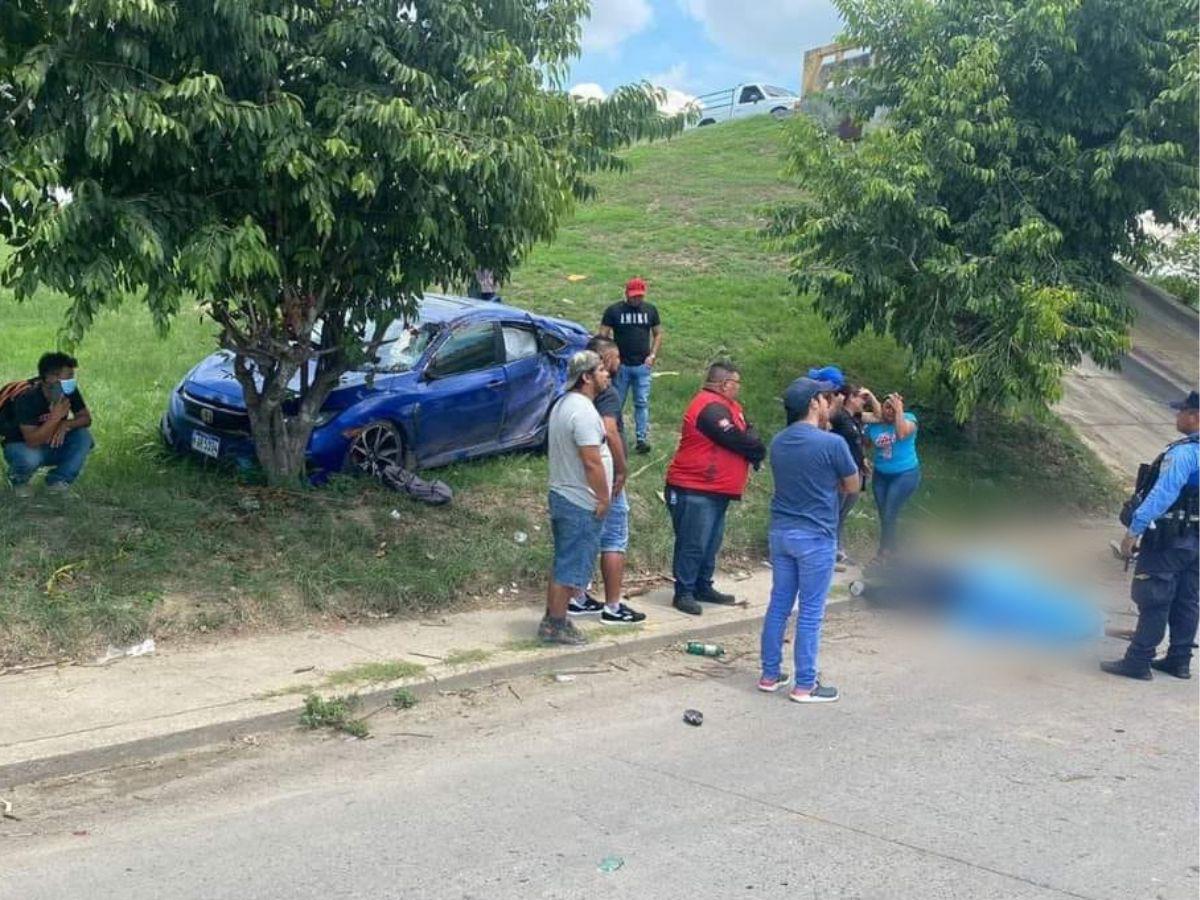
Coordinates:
x,y
54,712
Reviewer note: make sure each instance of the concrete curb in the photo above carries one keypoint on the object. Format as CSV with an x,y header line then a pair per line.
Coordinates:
x,y
131,752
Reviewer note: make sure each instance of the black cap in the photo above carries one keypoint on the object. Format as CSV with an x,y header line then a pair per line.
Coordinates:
x,y
1191,401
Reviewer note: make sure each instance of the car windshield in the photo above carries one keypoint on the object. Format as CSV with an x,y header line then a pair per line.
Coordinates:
x,y
777,92
403,345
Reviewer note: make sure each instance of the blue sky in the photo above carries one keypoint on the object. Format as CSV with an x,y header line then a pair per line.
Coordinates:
x,y
696,46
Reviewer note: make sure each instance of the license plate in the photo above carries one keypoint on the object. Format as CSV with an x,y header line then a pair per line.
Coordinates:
x,y
208,444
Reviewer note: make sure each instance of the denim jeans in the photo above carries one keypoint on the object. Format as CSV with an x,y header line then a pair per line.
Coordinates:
x,y
699,522
576,532
801,567
614,535
891,493
65,462
637,377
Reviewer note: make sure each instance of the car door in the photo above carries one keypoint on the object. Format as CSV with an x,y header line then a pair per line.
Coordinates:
x,y
749,101
531,384
461,392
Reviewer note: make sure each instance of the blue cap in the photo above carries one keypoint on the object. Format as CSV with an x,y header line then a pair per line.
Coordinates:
x,y
832,374
799,394
1191,401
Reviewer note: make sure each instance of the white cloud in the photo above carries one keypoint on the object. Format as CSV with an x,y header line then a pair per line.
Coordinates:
x,y
676,76
613,22
770,31
589,90
676,101
673,81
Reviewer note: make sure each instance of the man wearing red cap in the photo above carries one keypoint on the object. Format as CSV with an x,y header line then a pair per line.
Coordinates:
x,y
635,326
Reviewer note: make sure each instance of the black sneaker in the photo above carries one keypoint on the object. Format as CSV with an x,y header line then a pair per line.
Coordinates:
x,y
643,447
623,616
1180,668
561,632
1140,671
686,603
714,596
586,605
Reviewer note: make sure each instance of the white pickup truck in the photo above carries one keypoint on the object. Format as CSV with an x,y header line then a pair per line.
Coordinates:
x,y
746,100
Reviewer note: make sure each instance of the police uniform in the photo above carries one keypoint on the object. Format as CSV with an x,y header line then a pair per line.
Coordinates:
x,y
1165,585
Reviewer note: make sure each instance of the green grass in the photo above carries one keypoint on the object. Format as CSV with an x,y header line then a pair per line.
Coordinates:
x,y
374,673
469,657
167,546
1184,289
336,714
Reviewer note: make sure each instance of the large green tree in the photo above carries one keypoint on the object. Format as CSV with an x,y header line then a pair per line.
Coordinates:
x,y
981,223
299,167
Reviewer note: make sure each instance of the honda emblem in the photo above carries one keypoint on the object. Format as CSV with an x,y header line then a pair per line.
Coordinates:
x,y
206,416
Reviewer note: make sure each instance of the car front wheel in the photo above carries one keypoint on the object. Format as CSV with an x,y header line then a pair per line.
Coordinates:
x,y
377,446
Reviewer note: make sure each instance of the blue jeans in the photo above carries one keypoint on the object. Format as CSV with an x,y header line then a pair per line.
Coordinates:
x,y
801,566
614,535
637,377
65,462
576,532
699,522
891,493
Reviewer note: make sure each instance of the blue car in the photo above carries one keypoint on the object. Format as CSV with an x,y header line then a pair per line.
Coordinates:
x,y
468,379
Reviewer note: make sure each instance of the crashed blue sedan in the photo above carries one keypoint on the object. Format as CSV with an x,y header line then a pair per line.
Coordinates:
x,y
468,379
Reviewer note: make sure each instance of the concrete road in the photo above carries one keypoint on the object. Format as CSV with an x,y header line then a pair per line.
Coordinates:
x,y
1123,415
943,773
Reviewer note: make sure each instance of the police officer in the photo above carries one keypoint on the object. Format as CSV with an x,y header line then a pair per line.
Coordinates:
x,y
1164,528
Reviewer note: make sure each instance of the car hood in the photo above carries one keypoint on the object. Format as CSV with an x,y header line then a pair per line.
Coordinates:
x,y
213,381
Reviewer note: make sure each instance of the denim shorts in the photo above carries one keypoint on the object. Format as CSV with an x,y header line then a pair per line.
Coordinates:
x,y
614,536
576,534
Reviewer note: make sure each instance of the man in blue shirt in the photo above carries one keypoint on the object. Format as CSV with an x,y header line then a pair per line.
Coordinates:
x,y
811,467
1165,529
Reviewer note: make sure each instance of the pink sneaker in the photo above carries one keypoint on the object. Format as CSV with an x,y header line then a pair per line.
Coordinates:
x,y
771,685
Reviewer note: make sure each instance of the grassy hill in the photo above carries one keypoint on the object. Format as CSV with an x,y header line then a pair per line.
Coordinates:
x,y
164,546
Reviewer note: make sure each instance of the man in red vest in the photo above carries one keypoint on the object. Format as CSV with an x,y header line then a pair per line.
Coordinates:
x,y
717,446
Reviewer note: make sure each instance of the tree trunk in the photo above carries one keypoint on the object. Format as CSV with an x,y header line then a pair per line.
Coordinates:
x,y
280,440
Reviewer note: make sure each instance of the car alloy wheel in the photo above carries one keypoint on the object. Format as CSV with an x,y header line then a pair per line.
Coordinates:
x,y
376,447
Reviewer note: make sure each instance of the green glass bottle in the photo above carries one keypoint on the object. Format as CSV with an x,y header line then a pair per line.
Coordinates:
x,y
697,648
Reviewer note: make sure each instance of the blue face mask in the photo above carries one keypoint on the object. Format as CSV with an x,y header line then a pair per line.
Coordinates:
x,y
68,385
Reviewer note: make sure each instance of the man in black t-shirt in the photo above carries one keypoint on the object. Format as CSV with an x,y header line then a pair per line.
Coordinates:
x,y
635,326
47,426
614,538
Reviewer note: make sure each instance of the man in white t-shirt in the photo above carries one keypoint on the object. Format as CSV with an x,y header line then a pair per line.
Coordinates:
x,y
581,476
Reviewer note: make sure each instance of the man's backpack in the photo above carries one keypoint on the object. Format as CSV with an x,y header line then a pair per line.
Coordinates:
x,y
10,392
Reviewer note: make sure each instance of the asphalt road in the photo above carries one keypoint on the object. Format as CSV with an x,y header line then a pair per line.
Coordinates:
x,y
948,770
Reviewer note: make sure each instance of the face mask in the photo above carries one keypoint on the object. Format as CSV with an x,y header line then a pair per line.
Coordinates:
x,y
68,385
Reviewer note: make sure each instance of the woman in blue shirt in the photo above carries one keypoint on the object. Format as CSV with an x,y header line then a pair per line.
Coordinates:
x,y
892,433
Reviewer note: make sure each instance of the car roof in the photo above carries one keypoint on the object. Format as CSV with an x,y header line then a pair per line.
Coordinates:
x,y
449,308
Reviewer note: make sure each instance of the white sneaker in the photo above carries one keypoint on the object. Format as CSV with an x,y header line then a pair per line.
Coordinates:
x,y
23,491
61,488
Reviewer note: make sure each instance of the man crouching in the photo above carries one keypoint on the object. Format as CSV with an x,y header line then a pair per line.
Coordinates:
x,y
46,426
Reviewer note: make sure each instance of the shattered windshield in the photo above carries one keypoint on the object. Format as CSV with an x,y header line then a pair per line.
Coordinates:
x,y
404,344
